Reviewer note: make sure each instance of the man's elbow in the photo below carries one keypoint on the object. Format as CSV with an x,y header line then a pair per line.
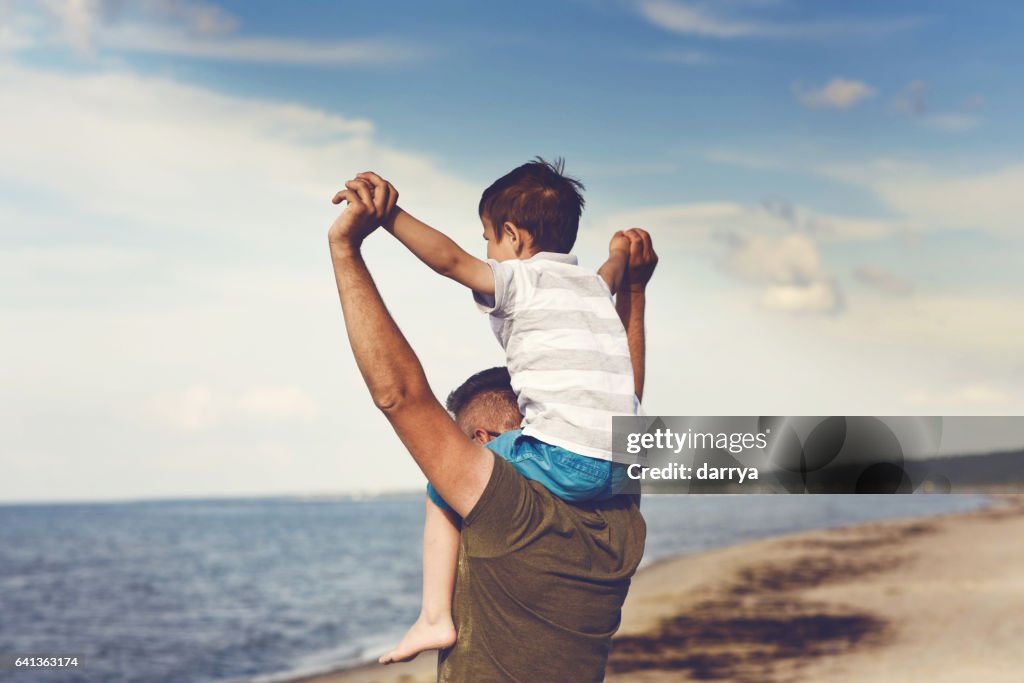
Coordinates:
x,y
396,399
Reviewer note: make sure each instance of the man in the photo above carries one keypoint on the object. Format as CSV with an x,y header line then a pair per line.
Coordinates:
x,y
540,582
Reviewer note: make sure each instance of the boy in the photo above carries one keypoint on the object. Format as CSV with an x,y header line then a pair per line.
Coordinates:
x,y
565,348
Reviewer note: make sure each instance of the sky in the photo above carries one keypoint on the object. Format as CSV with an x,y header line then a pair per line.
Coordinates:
x,y
834,190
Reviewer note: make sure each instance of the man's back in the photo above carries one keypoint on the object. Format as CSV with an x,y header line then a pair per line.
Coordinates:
x,y
540,584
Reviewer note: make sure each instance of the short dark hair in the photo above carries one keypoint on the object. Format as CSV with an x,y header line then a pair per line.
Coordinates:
x,y
539,198
489,380
489,397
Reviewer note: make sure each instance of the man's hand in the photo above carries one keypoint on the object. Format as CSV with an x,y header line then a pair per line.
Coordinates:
x,y
382,187
642,259
370,203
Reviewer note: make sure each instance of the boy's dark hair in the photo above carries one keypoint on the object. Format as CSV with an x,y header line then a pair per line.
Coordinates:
x,y
541,200
493,401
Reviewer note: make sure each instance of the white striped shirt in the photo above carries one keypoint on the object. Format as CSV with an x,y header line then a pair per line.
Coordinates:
x,y
565,348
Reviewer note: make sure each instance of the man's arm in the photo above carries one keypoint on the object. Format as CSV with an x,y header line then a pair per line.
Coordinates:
x,y
631,301
431,246
458,468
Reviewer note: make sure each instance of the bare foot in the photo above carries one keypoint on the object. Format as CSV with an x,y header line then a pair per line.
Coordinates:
x,y
422,636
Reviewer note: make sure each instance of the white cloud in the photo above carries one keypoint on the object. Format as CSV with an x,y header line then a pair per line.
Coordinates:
x,y
192,409
715,21
791,259
921,198
121,151
986,329
41,262
288,402
792,271
953,122
682,18
772,246
839,93
935,199
12,40
882,280
822,296
706,225
912,100
183,28
168,291
157,40
82,21
732,355
200,407
974,395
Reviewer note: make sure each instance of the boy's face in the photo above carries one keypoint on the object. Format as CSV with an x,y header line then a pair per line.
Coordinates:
x,y
498,250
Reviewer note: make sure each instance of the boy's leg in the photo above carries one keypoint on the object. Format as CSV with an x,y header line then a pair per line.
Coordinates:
x,y
434,629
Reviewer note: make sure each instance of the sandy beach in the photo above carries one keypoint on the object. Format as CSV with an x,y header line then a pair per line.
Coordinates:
x,y
932,599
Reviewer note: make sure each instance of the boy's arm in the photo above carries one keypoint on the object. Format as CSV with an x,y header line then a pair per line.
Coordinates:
x,y
614,269
440,252
431,246
632,300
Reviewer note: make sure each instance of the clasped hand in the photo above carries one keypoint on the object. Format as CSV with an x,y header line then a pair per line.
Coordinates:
x,y
371,200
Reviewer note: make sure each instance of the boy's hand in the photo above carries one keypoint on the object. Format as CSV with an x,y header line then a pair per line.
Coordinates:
x,y
620,243
642,259
367,208
613,272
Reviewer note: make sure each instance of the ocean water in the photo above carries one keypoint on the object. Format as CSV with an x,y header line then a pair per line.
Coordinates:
x,y
261,590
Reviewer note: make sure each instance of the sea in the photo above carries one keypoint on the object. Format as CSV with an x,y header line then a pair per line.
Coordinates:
x,y
263,590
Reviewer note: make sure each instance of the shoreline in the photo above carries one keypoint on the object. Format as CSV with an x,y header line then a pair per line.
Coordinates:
x,y
813,605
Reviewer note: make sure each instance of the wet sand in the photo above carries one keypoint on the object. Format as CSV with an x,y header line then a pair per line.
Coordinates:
x,y
933,599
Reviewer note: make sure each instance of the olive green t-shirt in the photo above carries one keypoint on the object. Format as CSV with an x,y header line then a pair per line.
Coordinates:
x,y
540,584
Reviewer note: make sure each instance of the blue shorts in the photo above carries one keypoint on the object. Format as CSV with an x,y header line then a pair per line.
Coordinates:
x,y
570,476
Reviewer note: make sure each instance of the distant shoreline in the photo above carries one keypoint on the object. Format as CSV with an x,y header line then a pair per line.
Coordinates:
x,y
815,601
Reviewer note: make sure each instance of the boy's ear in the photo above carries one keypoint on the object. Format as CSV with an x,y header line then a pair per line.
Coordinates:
x,y
519,237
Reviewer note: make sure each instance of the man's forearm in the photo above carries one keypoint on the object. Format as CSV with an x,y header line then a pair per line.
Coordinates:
x,y
389,366
630,303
